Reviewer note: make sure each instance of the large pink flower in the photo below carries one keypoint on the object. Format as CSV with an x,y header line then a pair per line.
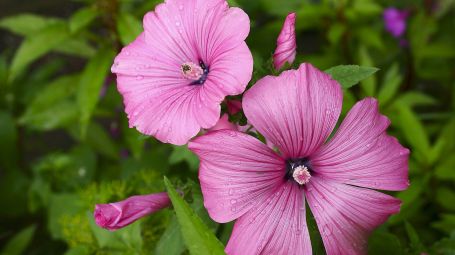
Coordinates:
x,y
243,179
174,76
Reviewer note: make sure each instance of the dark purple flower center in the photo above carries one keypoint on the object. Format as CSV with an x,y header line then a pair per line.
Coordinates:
x,y
197,73
298,170
205,73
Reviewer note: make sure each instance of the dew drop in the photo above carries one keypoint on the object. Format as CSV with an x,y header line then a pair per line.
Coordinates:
x,y
231,192
326,230
139,77
177,23
233,209
181,7
233,201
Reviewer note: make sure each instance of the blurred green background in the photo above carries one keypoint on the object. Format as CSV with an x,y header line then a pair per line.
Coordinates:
x,y
65,143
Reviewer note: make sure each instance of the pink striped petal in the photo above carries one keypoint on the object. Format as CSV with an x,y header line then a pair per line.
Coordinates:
x,y
286,43
295,111
277,225
235,171
362,154
346,215
223,123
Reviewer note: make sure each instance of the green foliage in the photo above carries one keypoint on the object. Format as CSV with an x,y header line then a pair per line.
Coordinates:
x,y
198,237
349,75
66,145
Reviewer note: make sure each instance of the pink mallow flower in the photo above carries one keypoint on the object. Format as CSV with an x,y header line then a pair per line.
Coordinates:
x,y
120,214
286,44
243,179
395,21
174,76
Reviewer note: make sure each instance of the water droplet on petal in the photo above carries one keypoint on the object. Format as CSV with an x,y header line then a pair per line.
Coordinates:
x,y
327,230
233,201
181,7
139,77
231,192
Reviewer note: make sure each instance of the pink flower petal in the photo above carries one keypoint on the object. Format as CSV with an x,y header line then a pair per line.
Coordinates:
x,y
235,171
295,111
117,215
361,153
346,215
161,101
286,43
223,123
277,225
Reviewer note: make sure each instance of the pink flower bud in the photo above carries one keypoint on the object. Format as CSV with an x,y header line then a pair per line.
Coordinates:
x,y
234,106
120,214
286,44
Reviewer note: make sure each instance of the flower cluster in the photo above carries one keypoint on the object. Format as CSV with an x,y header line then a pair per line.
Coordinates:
x,y
174,78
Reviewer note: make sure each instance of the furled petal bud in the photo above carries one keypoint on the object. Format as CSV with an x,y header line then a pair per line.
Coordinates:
x,y
234,106
120,214
286,44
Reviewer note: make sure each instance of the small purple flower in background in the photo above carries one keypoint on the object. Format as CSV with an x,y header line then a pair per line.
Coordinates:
x,y
241,178
286,44
395,21
174,76
120,214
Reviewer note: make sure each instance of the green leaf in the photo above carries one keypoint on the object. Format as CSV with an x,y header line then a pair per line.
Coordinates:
x,y
128,27
446,223
416,244
82,18
390,85
369,84
61,114
99,139
446,168
171,241
77,47
198,237
37,45
8,138
183,154
19,242
413,130
414,98
92,79
381,242
349,75
26,24
58,90
446,197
